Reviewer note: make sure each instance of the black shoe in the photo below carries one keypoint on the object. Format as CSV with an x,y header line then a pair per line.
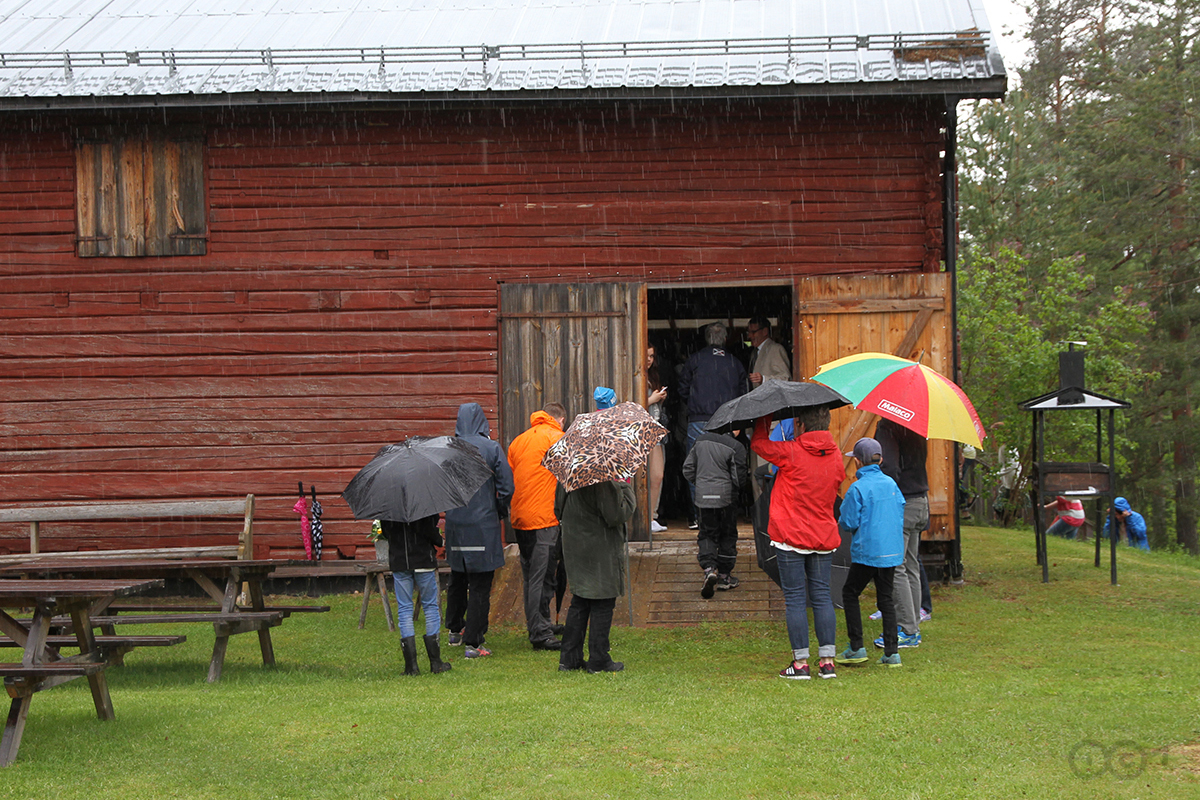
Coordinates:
x,y
612,666
565,668
549,643
408,646
558,630
727,582
710,583
436,665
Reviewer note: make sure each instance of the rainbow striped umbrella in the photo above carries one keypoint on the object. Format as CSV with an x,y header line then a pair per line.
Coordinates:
x,y
909,393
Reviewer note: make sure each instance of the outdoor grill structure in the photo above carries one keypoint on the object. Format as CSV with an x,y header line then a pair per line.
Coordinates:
x,y
243,246
1095,480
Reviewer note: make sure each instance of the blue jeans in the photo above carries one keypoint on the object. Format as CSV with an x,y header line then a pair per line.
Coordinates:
x,y
427,584
1060,527
804,579
694,431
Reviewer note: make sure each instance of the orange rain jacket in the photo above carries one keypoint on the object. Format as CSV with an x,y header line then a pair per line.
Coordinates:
x,y
533,498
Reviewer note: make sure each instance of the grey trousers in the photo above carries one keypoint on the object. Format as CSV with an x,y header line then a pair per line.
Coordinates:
x,y
907,591
539,571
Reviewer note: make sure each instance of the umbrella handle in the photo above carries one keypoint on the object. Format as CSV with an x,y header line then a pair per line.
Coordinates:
x,y
314,491
301,488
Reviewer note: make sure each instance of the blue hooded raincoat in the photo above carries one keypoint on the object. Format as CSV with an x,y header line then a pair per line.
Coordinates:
x,y
474,542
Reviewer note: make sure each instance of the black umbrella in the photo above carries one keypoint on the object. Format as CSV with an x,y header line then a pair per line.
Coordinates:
x,y
416,478
777,399
318,528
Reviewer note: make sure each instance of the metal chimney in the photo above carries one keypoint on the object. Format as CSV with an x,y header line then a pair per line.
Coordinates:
x,y
1070,375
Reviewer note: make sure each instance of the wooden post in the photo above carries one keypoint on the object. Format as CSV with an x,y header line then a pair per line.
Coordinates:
x,y
35,529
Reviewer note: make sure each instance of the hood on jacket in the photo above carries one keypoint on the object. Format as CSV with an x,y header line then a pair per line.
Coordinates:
x,y
471,421
542,418
818,443
1122,505
604,397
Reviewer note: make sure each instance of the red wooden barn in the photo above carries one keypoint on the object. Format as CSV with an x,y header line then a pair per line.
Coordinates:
x,y
245,248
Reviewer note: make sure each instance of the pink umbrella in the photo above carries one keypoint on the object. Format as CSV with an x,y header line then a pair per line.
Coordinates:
x,y
301,508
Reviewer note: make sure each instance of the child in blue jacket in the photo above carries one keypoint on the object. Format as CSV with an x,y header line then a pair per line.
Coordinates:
x,y
873,513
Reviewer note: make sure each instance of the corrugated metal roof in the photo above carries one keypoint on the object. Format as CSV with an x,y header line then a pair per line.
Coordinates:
x,y
153,48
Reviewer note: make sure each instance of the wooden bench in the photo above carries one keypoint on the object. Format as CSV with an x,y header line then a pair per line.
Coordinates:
x,y
135,608
35,516
62,640
112,648
22,680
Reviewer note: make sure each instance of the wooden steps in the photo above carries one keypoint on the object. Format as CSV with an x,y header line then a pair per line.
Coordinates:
x,y
666,580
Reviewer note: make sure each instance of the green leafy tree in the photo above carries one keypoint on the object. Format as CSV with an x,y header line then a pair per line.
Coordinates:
x,y
1011,330
1095,156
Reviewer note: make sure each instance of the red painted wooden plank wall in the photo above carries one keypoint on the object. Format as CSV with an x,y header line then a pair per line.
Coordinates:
x,y
348,297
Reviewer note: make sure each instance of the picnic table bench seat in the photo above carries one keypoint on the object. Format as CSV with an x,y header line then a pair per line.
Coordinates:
x,y
135,608
73,669
64,640
22,680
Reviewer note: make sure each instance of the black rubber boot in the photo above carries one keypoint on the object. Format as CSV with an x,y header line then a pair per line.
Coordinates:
x,y
436,664
409,645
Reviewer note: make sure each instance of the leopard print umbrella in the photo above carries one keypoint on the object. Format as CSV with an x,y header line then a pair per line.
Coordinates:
x,y
607,445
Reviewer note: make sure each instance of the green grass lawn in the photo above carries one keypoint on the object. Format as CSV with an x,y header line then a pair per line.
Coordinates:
x,y
1070,689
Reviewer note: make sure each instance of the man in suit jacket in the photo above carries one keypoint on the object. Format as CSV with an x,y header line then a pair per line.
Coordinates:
x,y
768,360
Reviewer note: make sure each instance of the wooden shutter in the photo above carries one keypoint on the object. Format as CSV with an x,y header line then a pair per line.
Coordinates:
x,y
140,194
560,341
906,315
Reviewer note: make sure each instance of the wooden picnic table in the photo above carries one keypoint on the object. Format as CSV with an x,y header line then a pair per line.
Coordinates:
x,y
41,666
221,579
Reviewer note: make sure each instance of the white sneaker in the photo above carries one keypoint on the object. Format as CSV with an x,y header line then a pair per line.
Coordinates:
x,y
925,616
656,527
876,615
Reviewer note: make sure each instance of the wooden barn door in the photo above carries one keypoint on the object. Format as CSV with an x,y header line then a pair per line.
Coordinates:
x,y
559,342
907,315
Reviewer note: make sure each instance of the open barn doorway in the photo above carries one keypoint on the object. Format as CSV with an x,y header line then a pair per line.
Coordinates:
x,y
676,317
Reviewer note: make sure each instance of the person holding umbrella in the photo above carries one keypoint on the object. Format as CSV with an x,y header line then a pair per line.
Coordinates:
x,y
474,542
412,559
406,486
593,537
594,462
804,532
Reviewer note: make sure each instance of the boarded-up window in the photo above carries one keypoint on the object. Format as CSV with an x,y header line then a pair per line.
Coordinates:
x,y
140,193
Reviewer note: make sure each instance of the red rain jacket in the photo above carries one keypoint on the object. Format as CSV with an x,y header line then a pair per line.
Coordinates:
x,y
810,472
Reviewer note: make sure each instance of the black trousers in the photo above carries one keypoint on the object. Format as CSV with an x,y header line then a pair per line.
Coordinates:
x,y
856,580
539,572
600,614
716,540
468,603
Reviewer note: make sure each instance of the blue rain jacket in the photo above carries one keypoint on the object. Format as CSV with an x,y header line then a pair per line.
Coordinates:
x,y
474,542
873,511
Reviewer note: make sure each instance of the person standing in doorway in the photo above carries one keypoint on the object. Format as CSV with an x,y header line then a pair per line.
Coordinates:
x,y
769,360
656,407
904,453
710,378
474,540
534,522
